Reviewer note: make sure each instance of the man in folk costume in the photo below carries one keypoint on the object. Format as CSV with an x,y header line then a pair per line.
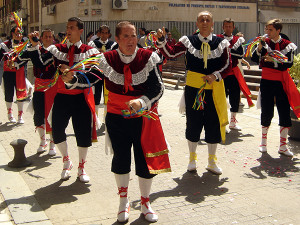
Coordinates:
x,y
134,84
13,77
103,44
276,84
234,80
43,97
207,58
78,104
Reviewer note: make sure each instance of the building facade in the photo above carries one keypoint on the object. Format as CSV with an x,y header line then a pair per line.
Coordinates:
x,y
177,15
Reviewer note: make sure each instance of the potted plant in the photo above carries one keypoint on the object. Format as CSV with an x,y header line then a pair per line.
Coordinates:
x,y
294,131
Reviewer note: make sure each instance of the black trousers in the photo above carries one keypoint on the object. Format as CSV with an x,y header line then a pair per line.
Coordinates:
x,y
125,133
197,119
9,79
39,108
98,91
75,106
272,92
232,90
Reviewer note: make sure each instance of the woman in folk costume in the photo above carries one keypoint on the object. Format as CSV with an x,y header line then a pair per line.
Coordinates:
x,y
134,84
43,97
276,83
13,77
207,59
77,105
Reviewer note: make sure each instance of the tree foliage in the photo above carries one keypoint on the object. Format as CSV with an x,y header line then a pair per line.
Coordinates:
x,y
295,71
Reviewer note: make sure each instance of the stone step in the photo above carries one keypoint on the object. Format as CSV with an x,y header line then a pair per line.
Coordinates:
x,y
253,86
254,95
252,72
252,78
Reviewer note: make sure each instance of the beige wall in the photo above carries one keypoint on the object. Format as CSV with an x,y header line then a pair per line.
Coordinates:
x,y
161,10
64,11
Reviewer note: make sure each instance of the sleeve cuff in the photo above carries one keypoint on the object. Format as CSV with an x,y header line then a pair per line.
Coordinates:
x,y
217,75
147,102
30,48
16,65
161,44
72,84
142,102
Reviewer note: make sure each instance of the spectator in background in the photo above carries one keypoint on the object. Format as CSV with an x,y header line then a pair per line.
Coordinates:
x,y
142,32
89,36
171,41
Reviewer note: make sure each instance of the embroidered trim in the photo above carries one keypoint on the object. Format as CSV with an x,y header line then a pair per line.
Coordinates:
x,y
4,46
92,44
160,171
288,48
238,43
166,151
137,78
214,53
77,57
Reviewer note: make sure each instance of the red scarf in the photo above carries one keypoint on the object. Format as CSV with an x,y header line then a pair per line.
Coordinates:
x,y
288,86
243,86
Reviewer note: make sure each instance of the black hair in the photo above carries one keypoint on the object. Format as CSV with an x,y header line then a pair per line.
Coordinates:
x,y
78,20
46,30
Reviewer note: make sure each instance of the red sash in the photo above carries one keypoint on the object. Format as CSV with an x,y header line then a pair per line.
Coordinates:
x,y
288,86
49,98
152,137
20,81
89,98
243,86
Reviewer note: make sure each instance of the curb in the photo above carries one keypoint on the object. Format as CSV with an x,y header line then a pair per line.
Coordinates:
x,y
20,201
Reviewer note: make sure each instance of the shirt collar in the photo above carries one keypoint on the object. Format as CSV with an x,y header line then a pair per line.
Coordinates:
x,y
279,39
127,58
228,38
103,42
77,44
209,38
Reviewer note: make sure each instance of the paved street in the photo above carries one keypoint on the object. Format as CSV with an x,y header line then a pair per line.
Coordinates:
x,y
253,189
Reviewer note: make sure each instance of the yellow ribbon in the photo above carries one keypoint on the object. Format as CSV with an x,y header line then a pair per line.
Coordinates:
x,y
212,158
193,156
103,48
205,51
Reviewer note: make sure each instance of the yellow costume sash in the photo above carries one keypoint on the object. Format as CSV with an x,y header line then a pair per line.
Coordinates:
x,y
195,80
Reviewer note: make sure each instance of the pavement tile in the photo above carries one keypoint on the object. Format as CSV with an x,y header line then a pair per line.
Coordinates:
x,y
243,194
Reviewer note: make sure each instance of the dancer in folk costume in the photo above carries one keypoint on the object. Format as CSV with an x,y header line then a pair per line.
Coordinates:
x,y
103,44
276,84
14,75
78,104
233,79
207,59
43,97
134,85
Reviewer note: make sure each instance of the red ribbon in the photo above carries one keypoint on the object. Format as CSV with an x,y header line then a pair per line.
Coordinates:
x,y
71,55
127,79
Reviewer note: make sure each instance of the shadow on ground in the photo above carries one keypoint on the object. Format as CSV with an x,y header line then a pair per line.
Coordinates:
x,y
274,167
236,136
193,186
8,126
53,194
